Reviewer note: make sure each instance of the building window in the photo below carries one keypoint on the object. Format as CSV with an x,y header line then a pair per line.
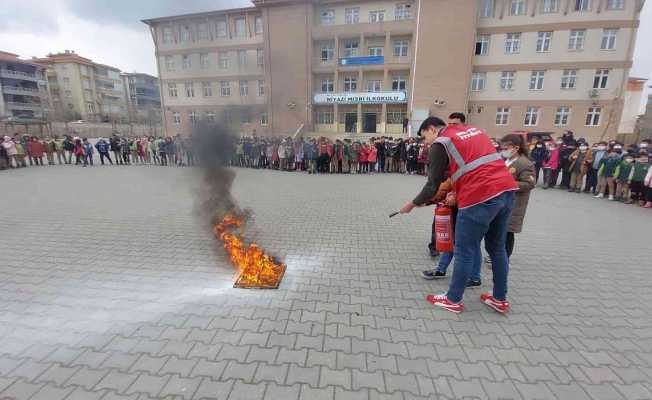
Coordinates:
x,y
374,86
352,15
502,116
517,7
507,80
549,6
582,5
210,116
220,29
264,119
185,61
185,33
168,35
207,89
486,9
403,11
395,117
576,39
350,84
376,51
608,39
593,116
327,85
192,117
225,88
398,83
351,48
223,60
543,42
245,118
325,117
240,27
327,17
242,58
190,90
615,4
569,79
531,116
376,16
202,31
261,88
169,63
536,80
401,48
172,90
90,107
260,57
327,52
478,81
600,79
176,118
204,61
244,88
258,25
562,115
512,43
482,45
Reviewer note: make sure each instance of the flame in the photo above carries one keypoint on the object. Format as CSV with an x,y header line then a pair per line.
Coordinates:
x,y
256,269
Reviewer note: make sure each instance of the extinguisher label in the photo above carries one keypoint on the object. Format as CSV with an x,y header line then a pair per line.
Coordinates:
x,y
442,227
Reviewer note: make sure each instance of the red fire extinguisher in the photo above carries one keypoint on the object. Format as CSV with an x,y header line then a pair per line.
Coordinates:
x,y
444,228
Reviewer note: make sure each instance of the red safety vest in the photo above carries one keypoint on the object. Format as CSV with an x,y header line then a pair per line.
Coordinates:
x,y
478,173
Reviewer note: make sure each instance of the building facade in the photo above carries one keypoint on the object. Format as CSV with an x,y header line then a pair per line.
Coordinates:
x,y
143,97
362,67
81,89
23,91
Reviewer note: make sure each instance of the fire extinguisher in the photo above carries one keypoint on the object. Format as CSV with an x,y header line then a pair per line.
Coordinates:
x,y
444,228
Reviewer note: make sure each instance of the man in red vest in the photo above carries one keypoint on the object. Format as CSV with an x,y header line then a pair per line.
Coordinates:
x,y
485,197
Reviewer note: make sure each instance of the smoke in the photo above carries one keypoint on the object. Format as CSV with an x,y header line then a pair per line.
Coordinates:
x,y
214,145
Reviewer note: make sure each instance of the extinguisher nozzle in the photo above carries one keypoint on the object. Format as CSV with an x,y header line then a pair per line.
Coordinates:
x,y
393,214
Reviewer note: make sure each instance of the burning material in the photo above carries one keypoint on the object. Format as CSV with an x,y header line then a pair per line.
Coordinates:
x,y
257,270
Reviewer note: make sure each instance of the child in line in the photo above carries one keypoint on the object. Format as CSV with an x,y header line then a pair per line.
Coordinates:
x,y
623,170
88,153
606,171
637,178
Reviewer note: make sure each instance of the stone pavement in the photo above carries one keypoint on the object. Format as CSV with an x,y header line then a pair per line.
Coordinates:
x,y
111,287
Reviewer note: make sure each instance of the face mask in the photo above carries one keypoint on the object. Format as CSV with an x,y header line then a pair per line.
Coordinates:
x,y
506,154
601,148
643,160
559,142
583,148
643,146
539,146
628,160
618,147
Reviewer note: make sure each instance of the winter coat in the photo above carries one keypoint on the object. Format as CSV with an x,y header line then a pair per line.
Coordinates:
x,y
9,146
102,146
372,157
35,148
88,149
538,154
553,160
586,164
522,169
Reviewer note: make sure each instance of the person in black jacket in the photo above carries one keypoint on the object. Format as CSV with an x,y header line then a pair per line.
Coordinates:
x,y
569,145
114,144
538,156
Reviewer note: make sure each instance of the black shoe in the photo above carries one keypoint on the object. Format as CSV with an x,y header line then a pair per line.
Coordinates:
x,y
432,274
473,284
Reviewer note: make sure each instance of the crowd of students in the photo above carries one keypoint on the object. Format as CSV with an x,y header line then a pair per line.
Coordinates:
x,y
21,151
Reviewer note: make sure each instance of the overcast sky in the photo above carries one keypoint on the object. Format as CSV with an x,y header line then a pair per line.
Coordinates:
x,y
110,31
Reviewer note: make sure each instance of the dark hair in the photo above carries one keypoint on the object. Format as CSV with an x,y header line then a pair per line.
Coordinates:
x,y
517,141
430,121
458,115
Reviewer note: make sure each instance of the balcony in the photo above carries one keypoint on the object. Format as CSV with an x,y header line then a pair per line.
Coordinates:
x,y
12,105
23,91
7,73
394,28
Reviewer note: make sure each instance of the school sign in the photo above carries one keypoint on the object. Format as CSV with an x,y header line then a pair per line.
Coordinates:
x,y
361,98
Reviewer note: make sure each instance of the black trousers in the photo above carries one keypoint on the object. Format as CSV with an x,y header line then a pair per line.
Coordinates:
x,y
108,157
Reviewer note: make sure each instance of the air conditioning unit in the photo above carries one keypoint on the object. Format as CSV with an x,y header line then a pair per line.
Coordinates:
x,y
593,93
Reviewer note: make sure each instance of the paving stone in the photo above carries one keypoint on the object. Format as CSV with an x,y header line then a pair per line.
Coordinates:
x,y
115,380
307,375
213,390
271,373
246,391
275,392
150,384
180,386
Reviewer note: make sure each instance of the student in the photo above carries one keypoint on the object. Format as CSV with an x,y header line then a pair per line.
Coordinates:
x,y
79,152
114,144
170,151
550,166
103,149
20,152
623,170
12,154
153,149
637,177
372,156
161,152
580,163
355,157
49,147
35,151
514,152
69,148
606,179
538,155
124,146
362,158
599,151
58,147
88,153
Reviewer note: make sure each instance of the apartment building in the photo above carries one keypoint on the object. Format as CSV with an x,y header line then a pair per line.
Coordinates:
x,y
361,67
82,89
143,97
23,92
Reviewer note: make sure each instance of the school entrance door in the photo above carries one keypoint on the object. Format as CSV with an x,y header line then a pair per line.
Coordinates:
x,y
351,122
369,123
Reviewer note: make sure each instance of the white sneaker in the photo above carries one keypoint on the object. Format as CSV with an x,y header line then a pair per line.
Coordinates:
x,y
599,196
611,197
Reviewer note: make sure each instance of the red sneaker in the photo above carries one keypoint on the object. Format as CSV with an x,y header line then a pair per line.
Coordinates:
x,y
440,300
500,306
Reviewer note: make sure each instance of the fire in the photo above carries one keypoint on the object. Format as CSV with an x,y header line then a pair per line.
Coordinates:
x,y
256,269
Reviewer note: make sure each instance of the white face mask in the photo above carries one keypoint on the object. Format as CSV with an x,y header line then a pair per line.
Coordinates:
x,y
507,154
601,148
583,148
643,146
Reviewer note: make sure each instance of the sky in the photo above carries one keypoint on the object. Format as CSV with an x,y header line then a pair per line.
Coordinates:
x,y
110,31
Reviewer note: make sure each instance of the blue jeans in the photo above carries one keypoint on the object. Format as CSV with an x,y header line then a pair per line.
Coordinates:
x,y
446,258
488,220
